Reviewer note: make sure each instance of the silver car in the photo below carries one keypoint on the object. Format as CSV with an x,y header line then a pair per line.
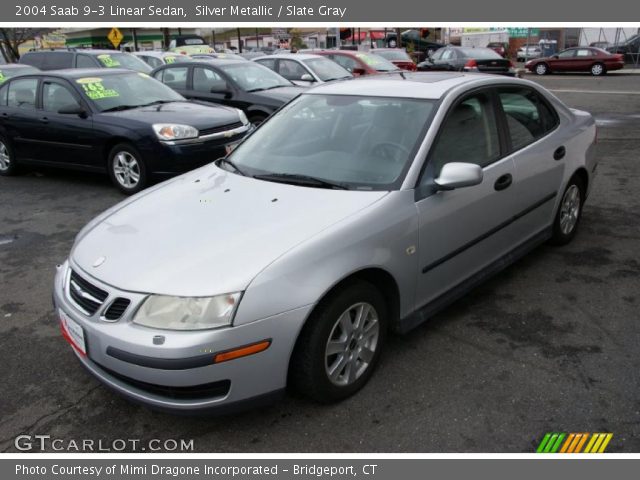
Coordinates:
x,y
358,209
304,69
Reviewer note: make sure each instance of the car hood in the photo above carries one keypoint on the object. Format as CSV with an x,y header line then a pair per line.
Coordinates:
x,y
189,113
280,94
207,232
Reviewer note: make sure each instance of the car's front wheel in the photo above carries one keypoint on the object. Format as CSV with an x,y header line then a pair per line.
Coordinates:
x,y
341,343
127,169
542,69
569,212
7,159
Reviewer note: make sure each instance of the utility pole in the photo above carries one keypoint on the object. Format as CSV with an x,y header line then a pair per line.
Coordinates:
x,y
239,41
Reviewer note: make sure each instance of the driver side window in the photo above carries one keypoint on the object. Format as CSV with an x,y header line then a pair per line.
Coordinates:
x,y
469,134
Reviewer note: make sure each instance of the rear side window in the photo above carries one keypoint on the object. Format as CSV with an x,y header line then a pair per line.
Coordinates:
x,y
268,62
22,93
33,59
85,61
3,95
529,116
153,61
57,60
174,77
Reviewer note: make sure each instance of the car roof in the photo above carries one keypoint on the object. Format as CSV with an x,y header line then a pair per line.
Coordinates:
x,y
155,53
294,56
427,85
85,72
4,66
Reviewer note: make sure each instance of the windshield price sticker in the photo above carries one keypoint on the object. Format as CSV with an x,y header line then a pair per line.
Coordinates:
x,y
95,90
170,59
108,61
2,77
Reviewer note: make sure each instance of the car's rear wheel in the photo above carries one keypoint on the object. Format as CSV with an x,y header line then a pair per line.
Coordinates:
x,y
127,169
598,69
569,212
542,69
7,159
341,343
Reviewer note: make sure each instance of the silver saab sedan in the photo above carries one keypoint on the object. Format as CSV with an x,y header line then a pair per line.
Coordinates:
x,y
358,209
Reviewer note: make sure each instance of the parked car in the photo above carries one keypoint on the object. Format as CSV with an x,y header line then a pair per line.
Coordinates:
x,y
581,59
83,58
304,69
413,37
249,86
630,49
155,59
116,121
528,51
360,208
217,55
500,48
11,70
359,63
468,59
398,56
189,44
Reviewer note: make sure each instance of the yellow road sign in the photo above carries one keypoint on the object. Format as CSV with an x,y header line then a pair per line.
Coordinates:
x,y
115,37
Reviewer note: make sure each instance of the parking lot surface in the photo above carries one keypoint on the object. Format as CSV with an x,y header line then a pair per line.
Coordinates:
x,y
550,344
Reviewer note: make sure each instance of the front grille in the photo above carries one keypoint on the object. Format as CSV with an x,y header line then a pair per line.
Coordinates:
x,y
86,295
195,392
210,131
117,308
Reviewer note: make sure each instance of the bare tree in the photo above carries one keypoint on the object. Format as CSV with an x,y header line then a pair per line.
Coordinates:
x,y
12,38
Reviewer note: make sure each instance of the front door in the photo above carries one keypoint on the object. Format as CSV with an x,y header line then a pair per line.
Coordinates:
x,y
463,230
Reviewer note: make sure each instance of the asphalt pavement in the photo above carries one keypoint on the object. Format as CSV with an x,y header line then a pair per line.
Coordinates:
x,y
550,344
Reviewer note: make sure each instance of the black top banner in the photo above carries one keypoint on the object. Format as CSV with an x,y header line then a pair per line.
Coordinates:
x,y
316,11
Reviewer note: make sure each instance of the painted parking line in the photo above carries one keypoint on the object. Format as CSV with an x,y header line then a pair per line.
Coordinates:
x,y
603,92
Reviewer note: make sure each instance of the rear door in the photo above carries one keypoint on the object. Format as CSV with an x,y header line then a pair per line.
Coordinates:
x,y
583,60
67,138
462,231
538,149
22,122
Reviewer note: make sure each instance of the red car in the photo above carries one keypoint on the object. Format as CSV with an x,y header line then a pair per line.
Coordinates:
x,y
359,63
579,59
398,56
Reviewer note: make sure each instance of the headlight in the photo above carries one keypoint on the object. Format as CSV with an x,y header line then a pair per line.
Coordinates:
x,y
172,131
243,117
187,313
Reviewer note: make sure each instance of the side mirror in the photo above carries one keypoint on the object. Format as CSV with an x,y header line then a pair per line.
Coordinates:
x,y
307,78
73,109
458,175
358,71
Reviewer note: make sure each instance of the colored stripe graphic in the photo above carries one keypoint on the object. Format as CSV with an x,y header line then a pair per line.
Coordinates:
x,y
556,442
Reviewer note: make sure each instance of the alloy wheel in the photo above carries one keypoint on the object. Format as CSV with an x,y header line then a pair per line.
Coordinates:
x,y
352,344
126,169
597,69
5,158
541,69
570,209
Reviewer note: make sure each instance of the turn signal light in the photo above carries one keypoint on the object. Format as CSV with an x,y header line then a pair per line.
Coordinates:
x,y
242,351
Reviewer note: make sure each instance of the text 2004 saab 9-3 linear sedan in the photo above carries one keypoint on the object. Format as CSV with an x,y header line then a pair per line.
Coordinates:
x,y
358,208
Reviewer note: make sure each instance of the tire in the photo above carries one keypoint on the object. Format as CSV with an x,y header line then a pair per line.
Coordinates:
x,y
128,177
8,164
565,224
312,364
598,69
256,119
541,68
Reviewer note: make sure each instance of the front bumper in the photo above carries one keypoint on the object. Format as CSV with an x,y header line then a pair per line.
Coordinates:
x,y
217,387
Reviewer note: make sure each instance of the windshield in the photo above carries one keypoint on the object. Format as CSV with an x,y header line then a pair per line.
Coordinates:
x,y
376,62
326,69
362,143
253,77
479,53
124,60
192,41
129,90
394,55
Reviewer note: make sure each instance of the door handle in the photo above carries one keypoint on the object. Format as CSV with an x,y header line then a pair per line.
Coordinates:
x,y
559,153
503,182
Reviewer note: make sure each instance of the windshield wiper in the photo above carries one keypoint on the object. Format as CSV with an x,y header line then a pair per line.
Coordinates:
x,y
156,102
120,107
260,89
231,164
299,179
